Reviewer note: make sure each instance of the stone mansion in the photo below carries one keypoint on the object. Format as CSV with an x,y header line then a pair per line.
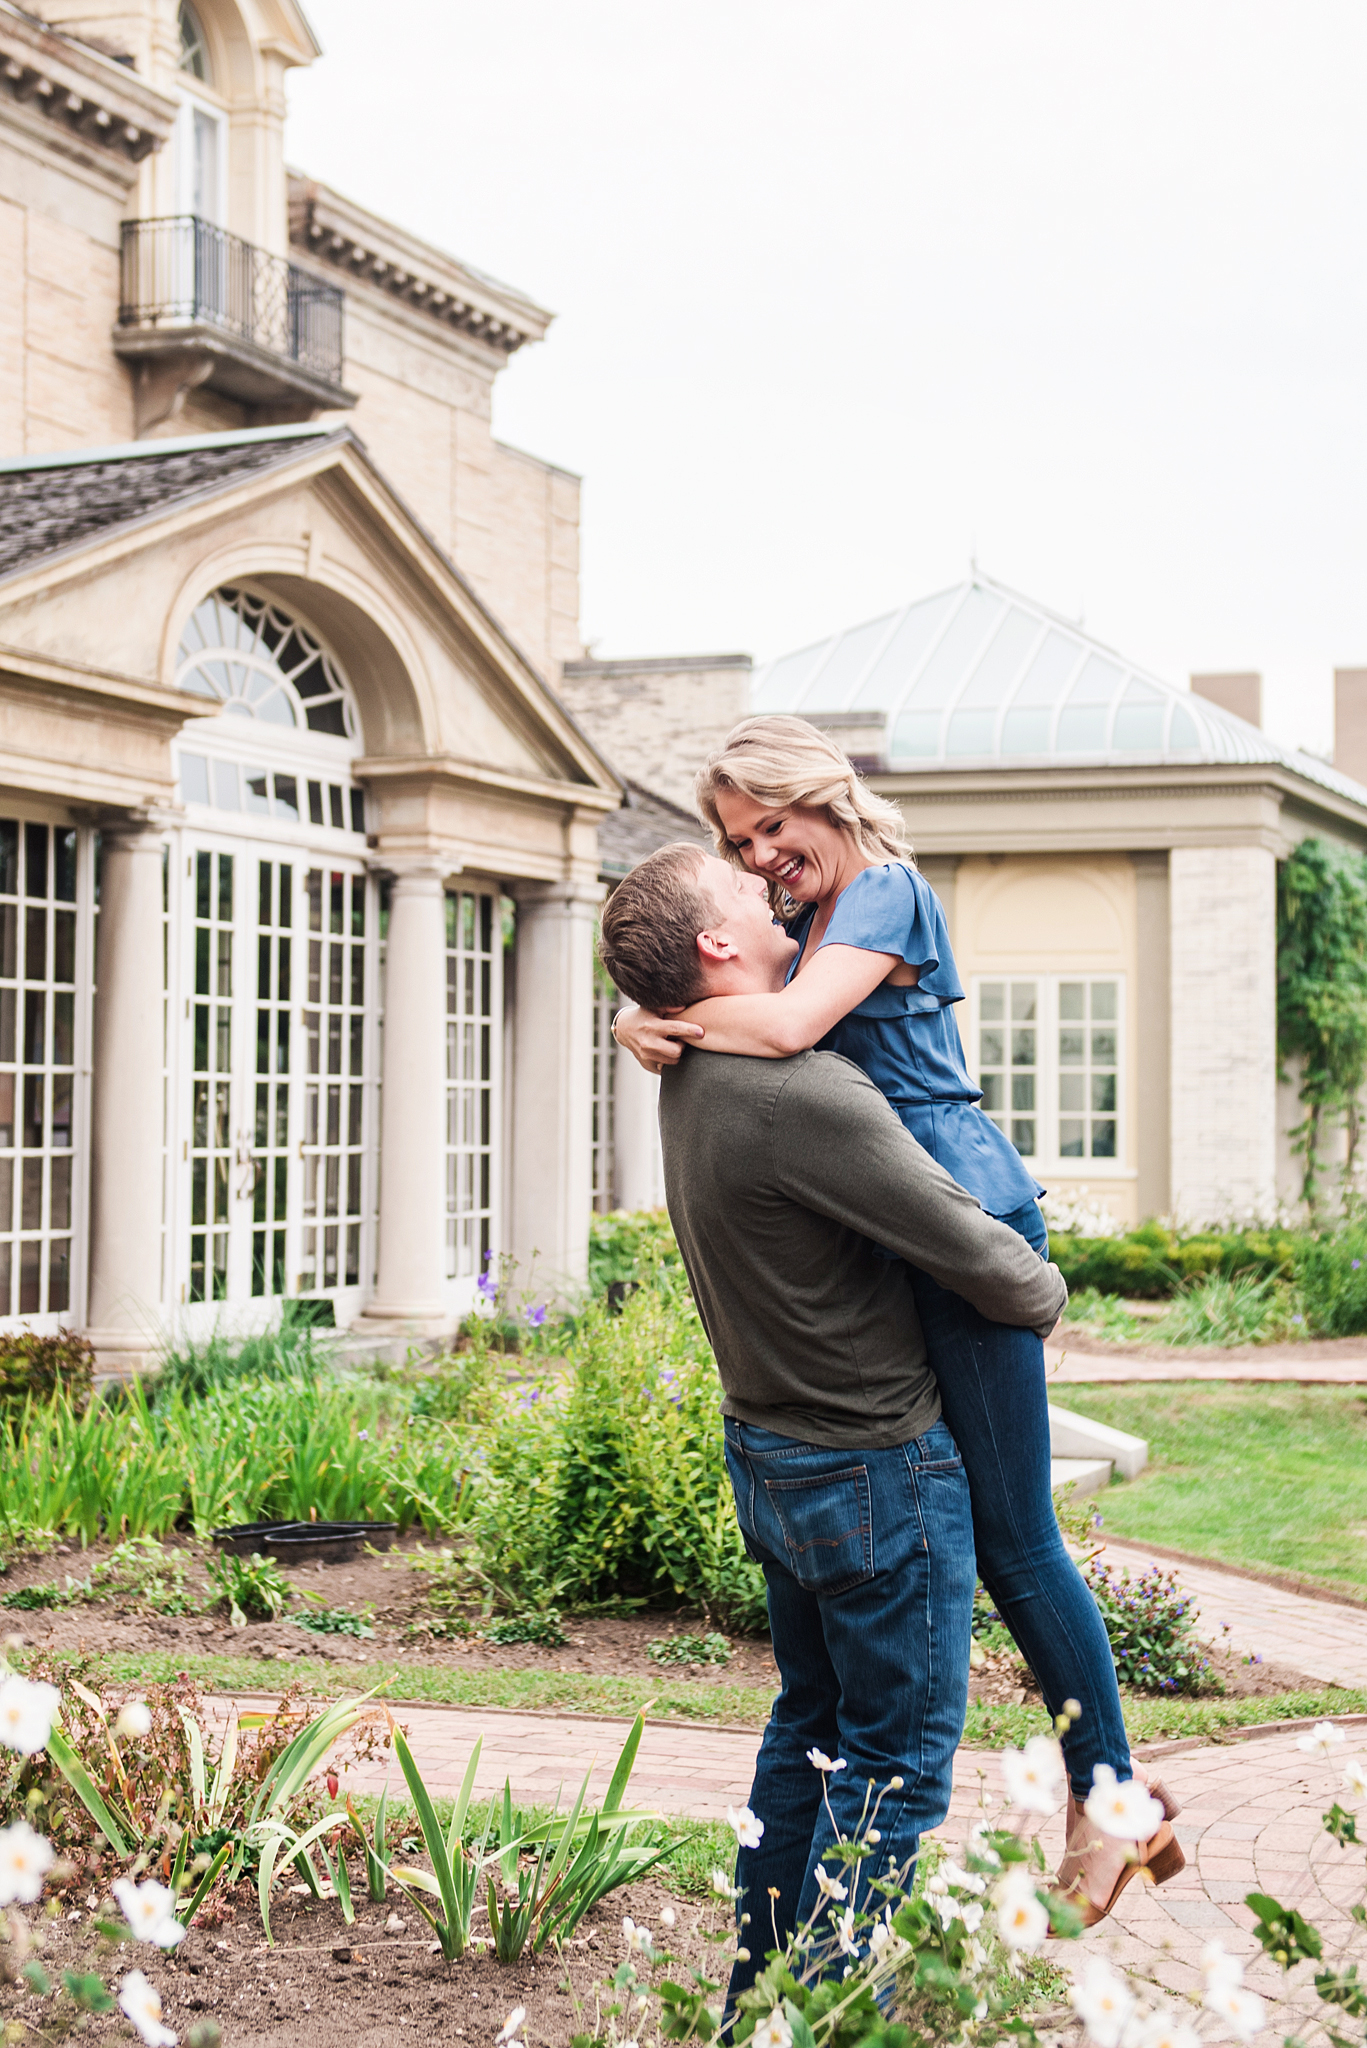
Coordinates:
x,y
309,794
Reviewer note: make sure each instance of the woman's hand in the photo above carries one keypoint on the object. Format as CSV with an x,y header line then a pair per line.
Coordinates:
x,y
654,1042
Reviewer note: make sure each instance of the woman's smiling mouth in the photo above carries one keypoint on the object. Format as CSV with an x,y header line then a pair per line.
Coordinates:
x,y
789,870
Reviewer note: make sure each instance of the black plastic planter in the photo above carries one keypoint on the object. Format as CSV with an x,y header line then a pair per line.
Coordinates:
x,y
305,1542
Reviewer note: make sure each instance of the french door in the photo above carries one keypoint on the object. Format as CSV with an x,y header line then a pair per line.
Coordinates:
x,y
275,1179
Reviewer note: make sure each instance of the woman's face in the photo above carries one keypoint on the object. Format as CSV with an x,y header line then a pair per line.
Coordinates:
x,y
797,847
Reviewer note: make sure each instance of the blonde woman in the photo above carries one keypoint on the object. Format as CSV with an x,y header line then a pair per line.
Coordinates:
x,y
875,979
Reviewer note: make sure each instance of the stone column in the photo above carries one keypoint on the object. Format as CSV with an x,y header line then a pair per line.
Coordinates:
x,y
552,1149
1223,917
638,1167
127,1135
412,1264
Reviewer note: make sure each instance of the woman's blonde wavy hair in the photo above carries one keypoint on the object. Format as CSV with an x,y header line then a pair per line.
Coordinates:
x,y
784,762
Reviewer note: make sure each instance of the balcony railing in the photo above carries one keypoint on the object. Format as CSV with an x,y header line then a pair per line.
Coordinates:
x,y
184,271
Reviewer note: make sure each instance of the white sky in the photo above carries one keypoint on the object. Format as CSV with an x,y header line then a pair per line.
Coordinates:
x,y
849,291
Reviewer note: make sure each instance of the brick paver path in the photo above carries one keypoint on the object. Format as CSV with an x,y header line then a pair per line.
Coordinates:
x,y
1251,1820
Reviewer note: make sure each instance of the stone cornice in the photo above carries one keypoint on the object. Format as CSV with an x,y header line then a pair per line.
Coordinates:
x,y
373,253
449,768
84,93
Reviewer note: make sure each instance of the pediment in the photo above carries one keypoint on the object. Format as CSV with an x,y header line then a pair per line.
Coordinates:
x,y
117,556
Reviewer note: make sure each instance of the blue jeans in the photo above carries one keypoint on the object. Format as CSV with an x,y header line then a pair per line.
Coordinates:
x,y
994,1397
868,1561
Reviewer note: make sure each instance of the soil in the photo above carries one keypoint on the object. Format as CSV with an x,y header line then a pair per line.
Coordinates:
x,y
397,1594
324,1982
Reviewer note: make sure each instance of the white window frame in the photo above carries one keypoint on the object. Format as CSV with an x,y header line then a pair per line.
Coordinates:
x,y
1048,1162
192,102
474,1085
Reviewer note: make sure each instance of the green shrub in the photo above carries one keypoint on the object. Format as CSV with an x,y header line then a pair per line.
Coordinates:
x,y
1153,1261
1151,1624
1241,1310
627,1244
613,1486
39,1369
1332,1271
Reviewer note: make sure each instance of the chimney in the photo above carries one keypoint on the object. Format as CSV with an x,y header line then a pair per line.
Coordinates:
x,y
1242,694
1350,722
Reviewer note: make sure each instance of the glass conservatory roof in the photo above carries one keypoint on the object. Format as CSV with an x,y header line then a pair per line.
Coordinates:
x,y
978,676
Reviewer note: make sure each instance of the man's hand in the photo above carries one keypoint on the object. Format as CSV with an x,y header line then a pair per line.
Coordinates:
x,y
653,1042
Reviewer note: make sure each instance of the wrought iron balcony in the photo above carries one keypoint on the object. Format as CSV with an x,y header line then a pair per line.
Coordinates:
x,y
201,306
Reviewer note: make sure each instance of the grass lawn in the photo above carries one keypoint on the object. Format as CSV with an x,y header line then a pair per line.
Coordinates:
x,y
1273,1477
989,1726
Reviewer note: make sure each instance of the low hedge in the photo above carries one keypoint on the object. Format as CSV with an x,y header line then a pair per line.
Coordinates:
x,y
1154,1261
38,1368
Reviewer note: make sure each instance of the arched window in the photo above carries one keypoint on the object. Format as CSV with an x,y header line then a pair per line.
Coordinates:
x,y
259,662
194,50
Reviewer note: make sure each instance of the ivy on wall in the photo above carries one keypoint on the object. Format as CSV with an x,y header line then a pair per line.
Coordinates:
x,y
1322,1000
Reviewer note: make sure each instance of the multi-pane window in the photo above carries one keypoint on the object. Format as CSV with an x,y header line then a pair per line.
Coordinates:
x,y
1008,1059
1048,1063
1088,1046
38,953
473,1005
211,1127
334,1081
271,1136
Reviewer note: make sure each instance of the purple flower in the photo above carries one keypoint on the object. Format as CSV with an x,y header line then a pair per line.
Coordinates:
x,y
536,1316
1356,1264
487,1286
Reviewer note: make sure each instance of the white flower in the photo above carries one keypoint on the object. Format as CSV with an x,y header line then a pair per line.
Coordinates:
x,y
142,2005
637,1938
879,1938
1102,2001
27,1712
511,2024
1034,1776
1219,1968
667,1916
971,1913
1355,1777
946,1908
1022,1920
979,1845
1241,2011
773,2031
135,1719
721,1884
819,1761
1122,1807
25,1860
975,1956
150,1911
964,1879
748,1828
829,1887
1163,2029
1324,1738
844,1928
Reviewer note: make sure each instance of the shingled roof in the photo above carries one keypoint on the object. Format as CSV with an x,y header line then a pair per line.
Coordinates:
x,y
49,503
646,821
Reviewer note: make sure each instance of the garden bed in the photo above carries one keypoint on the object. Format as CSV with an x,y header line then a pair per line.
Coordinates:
x,y
302,1992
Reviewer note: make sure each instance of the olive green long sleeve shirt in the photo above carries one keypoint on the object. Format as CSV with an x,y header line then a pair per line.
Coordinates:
x,y
781,1177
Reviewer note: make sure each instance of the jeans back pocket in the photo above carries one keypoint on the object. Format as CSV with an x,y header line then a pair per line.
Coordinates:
x,y
827,1524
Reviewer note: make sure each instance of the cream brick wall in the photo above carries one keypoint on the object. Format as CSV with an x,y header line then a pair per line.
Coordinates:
x,y
1224,1045
657,721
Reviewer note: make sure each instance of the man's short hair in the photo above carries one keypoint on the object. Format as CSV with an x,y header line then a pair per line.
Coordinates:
x,y
649,939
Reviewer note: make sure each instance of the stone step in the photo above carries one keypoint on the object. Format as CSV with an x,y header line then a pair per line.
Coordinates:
x,y
1079,1476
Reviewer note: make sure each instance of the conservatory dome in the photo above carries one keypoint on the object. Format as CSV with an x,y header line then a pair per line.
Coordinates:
x,y
978,676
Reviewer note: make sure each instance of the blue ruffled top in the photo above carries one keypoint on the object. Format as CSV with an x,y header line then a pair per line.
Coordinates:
x,y
906,1039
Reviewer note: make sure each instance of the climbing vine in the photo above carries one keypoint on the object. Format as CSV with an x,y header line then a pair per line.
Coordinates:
x,y
1322,1000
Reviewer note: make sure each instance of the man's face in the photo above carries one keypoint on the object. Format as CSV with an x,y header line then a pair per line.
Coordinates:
x,y
747,949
